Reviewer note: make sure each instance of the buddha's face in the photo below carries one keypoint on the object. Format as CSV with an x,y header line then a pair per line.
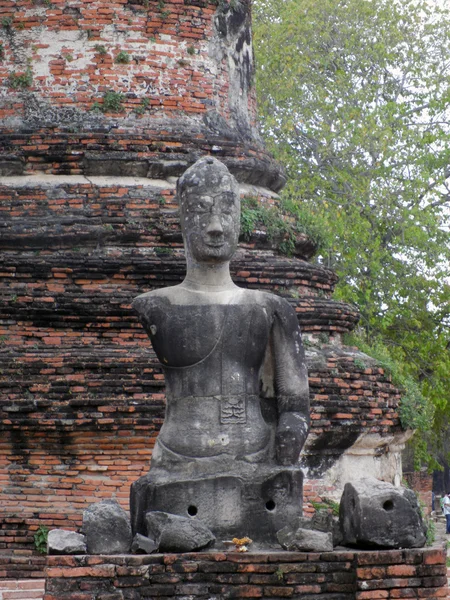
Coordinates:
x,y
210,221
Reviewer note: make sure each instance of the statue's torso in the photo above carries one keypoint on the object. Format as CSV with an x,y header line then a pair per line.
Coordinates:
x,y
212,355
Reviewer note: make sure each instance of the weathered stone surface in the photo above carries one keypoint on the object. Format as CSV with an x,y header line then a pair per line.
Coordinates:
x,y
61,541
143,545
173,533
107,528
10,167
376,514
217,457
336,531
305,540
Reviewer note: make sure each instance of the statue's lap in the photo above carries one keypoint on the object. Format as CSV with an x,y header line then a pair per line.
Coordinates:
x,y
201,427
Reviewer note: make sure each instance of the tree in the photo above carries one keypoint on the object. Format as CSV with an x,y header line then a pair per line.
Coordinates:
x,y
354,97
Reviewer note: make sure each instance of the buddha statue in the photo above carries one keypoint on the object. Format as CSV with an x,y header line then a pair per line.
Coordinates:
x,y
237,412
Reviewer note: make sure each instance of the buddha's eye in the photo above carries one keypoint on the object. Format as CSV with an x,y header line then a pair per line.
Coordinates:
x,y
228,202
201,204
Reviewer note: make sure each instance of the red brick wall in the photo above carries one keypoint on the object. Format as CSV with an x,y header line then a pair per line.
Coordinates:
x,y
186,88
58,456
81,392
81,395
61,457
22,589
422,483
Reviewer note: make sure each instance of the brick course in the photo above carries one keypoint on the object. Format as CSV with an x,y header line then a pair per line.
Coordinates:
x,y
14,589
21,565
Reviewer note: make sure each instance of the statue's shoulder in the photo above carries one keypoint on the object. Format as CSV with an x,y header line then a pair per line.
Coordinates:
x,y
151,301
269,301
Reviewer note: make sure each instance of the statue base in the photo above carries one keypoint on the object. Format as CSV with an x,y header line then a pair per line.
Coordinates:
x,y
254,501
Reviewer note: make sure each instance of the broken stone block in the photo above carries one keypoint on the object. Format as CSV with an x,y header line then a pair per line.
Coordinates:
x,y
107,528
305,540
323,520
377,514
61,541
143,545
173,533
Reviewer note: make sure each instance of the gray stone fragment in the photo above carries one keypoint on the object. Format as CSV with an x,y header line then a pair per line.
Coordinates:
x,y
323,520
173,533
377,514
61,541
143,545
338,538
305,540
107,528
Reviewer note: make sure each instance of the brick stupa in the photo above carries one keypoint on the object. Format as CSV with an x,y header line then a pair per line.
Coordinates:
x,y
102,106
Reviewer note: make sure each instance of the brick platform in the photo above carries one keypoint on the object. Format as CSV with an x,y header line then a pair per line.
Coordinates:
x,y
346,575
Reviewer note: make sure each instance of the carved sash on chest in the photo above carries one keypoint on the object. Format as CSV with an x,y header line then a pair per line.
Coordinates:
x,y
214,349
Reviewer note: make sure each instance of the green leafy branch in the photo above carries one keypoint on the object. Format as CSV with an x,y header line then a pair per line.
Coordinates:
x,y
112,102
40,539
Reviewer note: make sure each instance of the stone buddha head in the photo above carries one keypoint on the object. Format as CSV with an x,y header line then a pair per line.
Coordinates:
x,y
210,211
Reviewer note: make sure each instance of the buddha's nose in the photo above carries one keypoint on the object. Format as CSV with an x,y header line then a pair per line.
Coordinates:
x,y
214,226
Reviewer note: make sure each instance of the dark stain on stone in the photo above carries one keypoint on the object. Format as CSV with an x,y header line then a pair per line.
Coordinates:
x,y
327,448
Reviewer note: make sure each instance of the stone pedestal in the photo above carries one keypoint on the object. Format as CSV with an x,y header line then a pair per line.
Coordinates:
x,y
256,503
